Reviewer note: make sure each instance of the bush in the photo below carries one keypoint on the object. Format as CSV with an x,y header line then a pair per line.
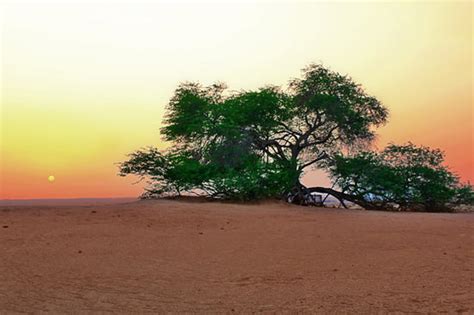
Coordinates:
x,y
401,176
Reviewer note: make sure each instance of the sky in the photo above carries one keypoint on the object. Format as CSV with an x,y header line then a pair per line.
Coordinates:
x,y
83,84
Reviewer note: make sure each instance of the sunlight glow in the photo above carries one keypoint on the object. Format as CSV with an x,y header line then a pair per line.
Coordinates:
x,y
85,84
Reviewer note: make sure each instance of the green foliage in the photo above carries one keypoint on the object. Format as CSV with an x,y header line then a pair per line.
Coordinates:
x,y
166,173
406,176
343,104
173,173
464,195
255,181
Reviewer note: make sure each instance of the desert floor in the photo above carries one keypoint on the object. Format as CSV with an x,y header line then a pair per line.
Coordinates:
x,y
180,256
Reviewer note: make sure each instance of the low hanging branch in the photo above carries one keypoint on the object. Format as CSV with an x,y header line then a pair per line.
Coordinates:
x,y
342,197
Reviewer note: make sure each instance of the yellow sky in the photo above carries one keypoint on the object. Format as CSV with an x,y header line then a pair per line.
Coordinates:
x,y
84,84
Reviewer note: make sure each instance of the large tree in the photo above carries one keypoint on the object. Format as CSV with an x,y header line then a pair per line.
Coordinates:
x,y
257,144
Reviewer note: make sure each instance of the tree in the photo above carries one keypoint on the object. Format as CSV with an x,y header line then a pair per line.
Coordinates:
x,y
248,145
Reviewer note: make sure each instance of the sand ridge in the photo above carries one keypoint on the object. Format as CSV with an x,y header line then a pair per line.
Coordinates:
x,y
178,256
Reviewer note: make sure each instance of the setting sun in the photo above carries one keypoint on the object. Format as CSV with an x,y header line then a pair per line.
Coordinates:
x,y
51,178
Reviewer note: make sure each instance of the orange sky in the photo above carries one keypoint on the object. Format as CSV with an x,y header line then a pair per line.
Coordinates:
x,y
84,84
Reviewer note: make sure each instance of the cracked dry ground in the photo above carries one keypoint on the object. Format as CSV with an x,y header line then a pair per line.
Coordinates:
x,y
177,256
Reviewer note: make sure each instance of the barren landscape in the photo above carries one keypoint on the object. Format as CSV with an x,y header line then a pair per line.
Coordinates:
x,y
182,256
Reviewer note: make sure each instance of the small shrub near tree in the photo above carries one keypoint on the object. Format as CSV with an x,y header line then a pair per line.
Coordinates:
x,y
404,177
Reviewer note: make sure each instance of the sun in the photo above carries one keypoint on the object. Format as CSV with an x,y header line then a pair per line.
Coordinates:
x,y
51,178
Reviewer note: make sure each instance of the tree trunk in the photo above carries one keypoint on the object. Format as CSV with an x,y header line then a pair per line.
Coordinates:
x,y
296,195
300,195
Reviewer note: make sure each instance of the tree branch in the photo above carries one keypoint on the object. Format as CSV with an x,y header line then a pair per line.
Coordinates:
x,y
320,157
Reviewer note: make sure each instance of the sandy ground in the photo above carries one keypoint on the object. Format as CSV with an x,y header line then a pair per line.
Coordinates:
x,y
176,256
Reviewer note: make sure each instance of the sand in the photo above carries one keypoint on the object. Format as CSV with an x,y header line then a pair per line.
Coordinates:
x,y
180,256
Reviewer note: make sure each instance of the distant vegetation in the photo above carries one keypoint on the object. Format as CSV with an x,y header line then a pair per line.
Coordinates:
x,y
250,145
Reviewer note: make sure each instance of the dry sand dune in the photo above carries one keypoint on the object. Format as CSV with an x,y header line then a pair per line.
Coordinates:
x,y
176,256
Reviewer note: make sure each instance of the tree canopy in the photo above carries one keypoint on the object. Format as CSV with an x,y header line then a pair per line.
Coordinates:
x,y
256,144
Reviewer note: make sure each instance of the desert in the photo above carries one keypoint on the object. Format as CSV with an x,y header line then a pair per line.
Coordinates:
x,y
211,257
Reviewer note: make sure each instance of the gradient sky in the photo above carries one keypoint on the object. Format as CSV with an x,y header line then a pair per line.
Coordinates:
x,y
84,84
